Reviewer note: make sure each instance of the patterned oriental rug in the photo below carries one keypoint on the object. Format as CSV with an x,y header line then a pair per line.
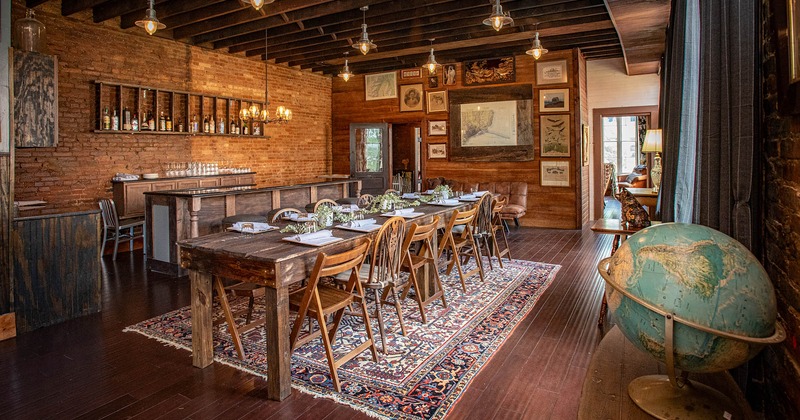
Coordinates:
x,y
423,374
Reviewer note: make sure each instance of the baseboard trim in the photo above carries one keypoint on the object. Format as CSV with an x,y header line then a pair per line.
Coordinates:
x,y
8,326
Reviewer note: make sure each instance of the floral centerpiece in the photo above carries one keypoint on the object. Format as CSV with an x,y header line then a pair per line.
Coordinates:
x,y
443,191
324,215
387,202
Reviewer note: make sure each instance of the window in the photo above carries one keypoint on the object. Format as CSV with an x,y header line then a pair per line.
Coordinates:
x,y
621,142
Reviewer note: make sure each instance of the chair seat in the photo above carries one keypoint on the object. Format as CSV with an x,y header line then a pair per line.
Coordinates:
x,y
331,298
363,274
512,211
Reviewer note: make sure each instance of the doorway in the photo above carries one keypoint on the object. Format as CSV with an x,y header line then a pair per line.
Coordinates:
x,y
615,133
370,156
406,140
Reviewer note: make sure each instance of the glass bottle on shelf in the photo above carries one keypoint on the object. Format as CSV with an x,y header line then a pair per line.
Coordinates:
x,y
234,127
256,129
168,123
115,121
135,122
245,129
180,125
126,119
162,122
151,121
195,124
211,126
221,128
143,123
205,124
106,119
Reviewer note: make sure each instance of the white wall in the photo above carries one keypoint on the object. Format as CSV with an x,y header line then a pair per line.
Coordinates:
x,y
609,87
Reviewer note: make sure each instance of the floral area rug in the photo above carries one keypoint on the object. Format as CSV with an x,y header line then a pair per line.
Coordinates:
x,y
422,374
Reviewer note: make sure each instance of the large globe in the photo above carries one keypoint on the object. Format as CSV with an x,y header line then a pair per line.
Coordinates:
x,y
700,275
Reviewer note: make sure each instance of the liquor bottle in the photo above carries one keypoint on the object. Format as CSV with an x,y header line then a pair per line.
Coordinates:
x,y
211,126
221,128
106,119
205,124
162,122
151,122
256,129
143,123
245,130
135,122
169,123
115,121
234,127
126,119
180,125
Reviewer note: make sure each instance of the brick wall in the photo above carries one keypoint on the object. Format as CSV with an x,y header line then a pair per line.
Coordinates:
x,y
782,232
80,168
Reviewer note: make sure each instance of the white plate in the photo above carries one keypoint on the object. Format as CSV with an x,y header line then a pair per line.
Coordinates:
x,y
469,200
406,216
233,229
367,228
314,242
451,204
150,176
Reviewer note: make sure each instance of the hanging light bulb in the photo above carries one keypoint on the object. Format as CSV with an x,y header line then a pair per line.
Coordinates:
x,y
258,4
498,19
364,44
150,22
432,65
536,49
345,74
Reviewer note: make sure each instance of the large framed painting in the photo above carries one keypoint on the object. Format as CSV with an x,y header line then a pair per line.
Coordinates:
x,y
555,135
491,124
380,86
489,71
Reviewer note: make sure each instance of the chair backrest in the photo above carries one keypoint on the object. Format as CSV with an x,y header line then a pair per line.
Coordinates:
x,y
325,202
109,213
387,251
497,206
392,191
331,265
482,223
365,200
423,233
284,211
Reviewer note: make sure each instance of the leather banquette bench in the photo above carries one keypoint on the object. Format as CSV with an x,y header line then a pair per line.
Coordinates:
x,y
517,193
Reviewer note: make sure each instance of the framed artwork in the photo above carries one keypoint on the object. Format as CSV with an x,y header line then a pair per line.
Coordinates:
x,y
411,74
493,70
554,135
555,173
437,128
437,101
489,124
551,72
380,86
433,81
585,143
437,150
410,98
554,100
492,124
449,72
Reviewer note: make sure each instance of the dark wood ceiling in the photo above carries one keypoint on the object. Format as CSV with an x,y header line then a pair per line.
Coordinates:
x,y
315,34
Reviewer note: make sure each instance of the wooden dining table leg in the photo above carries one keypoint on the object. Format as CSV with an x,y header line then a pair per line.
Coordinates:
x,y
202,334
278,351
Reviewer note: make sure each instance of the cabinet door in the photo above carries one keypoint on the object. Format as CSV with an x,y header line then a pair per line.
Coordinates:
x,y
246,179
229,181
188,183
209,182
134,199
163,186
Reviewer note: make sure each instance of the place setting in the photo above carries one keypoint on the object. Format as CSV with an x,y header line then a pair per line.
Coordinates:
x,y
318,238
251,227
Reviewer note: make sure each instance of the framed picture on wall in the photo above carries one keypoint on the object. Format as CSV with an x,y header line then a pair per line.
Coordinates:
x,y
553,100
437,128
555,173
551,72
380,86
554,136
450,72
410,98
585,143
437,150
411,73
437,101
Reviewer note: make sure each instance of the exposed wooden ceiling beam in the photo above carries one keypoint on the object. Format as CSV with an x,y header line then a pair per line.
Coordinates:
x,y
175,8
69,7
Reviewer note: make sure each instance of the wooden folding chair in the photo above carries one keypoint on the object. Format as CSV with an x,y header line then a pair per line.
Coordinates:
x,y
412,262
457,243
319,301
284,212
498,229
242,289
325,202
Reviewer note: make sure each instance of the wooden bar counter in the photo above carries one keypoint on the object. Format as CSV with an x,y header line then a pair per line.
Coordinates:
x,y
56,264
173,216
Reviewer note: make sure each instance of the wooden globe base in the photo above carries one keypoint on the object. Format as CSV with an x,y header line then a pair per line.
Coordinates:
x,y
658,397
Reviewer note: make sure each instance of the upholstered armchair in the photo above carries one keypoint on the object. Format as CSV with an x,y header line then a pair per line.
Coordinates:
x,y
636,179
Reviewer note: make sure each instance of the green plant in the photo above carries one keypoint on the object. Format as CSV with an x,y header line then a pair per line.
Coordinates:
x,y
442,188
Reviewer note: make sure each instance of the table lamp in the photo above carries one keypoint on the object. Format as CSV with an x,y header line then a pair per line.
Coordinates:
x,y
652,144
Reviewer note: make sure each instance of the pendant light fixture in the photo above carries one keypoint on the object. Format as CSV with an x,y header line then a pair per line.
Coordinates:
x,y
432,65
150,22
345,74
258,4
364,44
536,49
498,19
282,114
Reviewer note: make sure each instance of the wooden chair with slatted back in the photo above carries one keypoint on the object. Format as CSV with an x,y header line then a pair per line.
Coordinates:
x,y
325,202
284,212
483,229
499,230
240,289
364,200
457,242
319,302
392,191
413,261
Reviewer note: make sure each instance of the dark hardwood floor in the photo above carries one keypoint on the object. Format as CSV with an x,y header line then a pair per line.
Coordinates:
x,y
88,368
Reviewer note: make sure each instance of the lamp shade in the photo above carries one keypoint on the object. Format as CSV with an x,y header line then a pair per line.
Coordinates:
x,y
652,141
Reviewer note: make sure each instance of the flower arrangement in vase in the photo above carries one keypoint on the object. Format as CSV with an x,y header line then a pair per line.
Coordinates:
x,y
443,191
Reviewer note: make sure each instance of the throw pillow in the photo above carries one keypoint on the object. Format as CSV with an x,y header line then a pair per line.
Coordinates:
x,y
633,213
632,177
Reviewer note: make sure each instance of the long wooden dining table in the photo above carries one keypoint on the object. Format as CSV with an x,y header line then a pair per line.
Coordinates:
x,y
268,260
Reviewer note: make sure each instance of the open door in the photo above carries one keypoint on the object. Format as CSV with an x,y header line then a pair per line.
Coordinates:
x,y
370,156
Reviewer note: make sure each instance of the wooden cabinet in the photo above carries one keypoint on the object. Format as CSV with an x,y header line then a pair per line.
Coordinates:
x,y
123,101
129,195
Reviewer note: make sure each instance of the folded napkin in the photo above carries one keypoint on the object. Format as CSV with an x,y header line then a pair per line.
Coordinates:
x,y
468,197
429,192
403,211
479,193
450,201
362,223
291,216
251,226
309,237
125,177
409,195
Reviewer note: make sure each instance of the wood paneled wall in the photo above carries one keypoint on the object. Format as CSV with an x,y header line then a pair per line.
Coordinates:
x,y
558,207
